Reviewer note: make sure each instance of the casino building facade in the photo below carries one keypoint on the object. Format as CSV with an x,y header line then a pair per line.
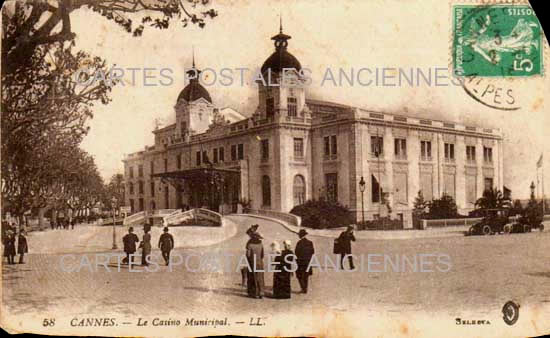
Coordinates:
x,y
292,149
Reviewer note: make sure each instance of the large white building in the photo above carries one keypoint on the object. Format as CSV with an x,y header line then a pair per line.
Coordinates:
x,y
292,149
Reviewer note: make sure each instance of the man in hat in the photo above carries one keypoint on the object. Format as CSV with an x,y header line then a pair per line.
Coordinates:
x,y
252,229
129,240
344,241
22,246
166,244
304,252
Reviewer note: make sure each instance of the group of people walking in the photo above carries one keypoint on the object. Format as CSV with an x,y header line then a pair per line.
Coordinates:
x,y
63,223
9,242
284,258
166,244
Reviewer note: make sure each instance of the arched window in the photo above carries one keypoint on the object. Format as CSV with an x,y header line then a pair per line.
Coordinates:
x,y
299,190
266,191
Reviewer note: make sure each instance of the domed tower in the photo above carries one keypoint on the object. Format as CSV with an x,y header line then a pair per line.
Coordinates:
x,y
194,108
281,94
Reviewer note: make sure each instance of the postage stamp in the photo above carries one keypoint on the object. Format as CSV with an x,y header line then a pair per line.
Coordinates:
x,y
496,41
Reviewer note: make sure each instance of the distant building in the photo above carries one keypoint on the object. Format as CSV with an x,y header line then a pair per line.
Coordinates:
x,y
293,149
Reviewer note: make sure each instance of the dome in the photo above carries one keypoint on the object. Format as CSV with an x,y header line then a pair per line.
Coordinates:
x,y
281,58
194,91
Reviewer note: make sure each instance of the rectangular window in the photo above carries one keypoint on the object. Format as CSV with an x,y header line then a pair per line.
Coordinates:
x,y
377,145
152,188
198,158
488,182
205,156
152,167
222,155
140,187
270,108
449,152
333,145
265,149
141,205
331,181
241,151
215,155
426,150
233,152
131,188
400,148
292,104
131,172
132,209
165,165
470,153
327,145
140,170
376,190
178,160
488,154
183,126
298,148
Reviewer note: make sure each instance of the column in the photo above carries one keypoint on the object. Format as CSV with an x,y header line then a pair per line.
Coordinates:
x,y
460,178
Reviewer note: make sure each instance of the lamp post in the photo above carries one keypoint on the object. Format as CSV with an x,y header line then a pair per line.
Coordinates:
x,y
532,188
362,189
113,205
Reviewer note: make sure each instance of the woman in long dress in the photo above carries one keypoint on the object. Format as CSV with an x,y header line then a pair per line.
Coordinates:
x,y
255,258
146,246
281,278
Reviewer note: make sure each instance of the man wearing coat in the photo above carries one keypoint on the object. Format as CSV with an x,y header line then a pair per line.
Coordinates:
x,y
344,241
129,240
166,244
304,252
22,247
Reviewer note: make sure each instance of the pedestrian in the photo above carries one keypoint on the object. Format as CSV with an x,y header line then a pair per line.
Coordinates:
x,y
52,223
304,252
129,240
255,258
166,244
22,246
344,243
253,228
283,271
73,222
9,246
145,246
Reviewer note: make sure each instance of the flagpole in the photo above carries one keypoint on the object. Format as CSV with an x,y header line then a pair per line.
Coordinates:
x,y
543,199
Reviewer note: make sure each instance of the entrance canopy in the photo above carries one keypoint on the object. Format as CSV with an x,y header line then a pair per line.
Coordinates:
x,y
204,187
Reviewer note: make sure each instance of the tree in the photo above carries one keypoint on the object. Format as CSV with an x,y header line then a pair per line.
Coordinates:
x,y
420,205
493,198
445,207
47,22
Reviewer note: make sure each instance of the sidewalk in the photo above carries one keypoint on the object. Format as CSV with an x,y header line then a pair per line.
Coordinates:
x,y
451,231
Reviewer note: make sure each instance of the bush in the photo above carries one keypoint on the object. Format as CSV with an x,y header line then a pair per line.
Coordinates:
x,y
384,223
322,214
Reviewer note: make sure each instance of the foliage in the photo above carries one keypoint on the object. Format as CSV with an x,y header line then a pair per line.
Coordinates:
x,y
420,205
516,208
532,214
493,198
445,207
322,214
383,223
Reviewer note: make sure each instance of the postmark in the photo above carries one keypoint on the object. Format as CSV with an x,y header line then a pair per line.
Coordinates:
x,y
495,50
496,41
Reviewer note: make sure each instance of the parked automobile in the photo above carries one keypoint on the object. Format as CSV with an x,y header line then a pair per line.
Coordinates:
x,y
525,224
494,221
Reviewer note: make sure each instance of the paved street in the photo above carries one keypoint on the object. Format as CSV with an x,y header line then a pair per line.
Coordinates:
x,y
485,272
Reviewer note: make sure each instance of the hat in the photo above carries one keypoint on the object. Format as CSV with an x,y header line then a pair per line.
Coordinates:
x,y
351,226
131,229
302,233
255,226
287,243
165,229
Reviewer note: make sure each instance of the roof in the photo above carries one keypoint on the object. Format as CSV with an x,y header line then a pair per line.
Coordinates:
x,y
194,91
281,59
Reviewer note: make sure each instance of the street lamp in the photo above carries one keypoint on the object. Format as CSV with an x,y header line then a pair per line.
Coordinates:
x,y
113,205
532,188
362,189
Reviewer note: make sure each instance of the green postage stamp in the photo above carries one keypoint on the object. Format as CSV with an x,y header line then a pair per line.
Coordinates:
x,y
496,41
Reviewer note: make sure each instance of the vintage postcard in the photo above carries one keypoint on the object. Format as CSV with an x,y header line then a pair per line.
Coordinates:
x,y
183,168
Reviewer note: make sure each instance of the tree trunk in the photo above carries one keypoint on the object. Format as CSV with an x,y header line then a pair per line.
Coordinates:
x,y
41,212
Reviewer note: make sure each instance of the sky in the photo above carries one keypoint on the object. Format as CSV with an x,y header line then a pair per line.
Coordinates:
x,y
325,34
